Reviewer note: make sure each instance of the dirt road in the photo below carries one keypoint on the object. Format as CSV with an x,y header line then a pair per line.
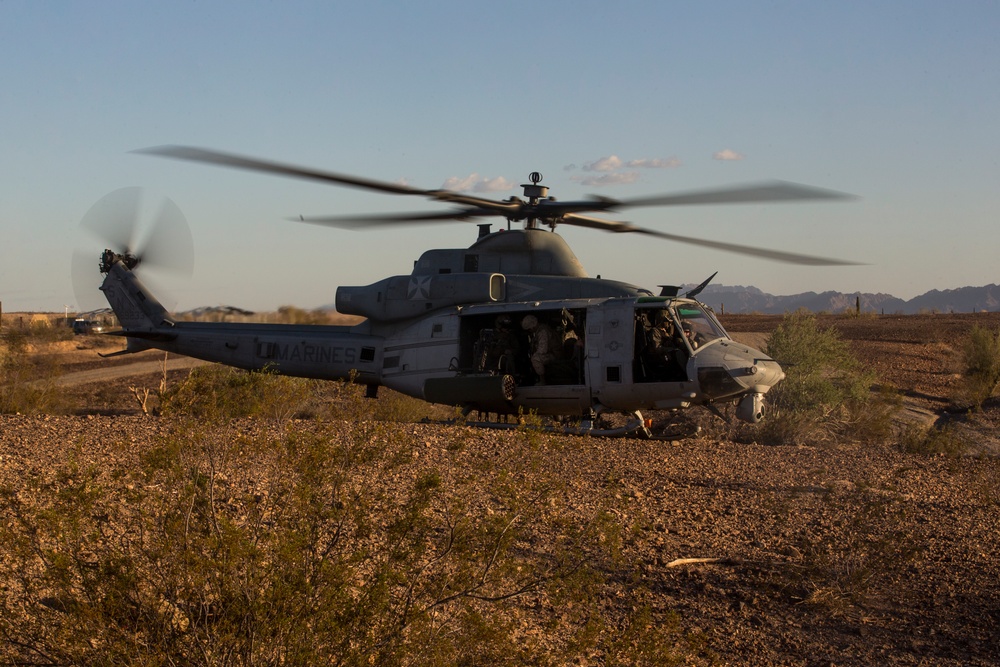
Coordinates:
x,y
107,373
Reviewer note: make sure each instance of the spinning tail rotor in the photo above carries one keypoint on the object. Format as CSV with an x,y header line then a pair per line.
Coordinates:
x,y
117,222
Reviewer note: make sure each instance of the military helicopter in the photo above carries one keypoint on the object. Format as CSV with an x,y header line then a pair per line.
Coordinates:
x,y
512,324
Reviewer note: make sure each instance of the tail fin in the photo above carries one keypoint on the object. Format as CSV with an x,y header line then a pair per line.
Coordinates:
x,y
135,307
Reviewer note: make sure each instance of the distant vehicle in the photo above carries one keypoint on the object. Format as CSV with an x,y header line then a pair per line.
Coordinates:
x,y
83,327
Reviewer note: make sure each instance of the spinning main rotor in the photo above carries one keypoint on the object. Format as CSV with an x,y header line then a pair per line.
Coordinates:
x,y
537,208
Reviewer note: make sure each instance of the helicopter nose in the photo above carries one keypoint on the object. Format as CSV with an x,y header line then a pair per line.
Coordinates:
x,y
730,370
761,375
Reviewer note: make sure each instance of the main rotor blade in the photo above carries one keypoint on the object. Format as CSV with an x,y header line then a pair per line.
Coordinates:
x,y
776,191
268,167
591,222
220,158
358,221
766,253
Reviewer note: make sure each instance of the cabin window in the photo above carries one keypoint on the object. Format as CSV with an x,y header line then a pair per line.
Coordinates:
x,y
613,373
498,287
472,263
390,362
699,326
368,354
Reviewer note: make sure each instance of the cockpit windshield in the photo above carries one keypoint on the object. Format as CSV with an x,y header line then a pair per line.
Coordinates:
x,y
699,326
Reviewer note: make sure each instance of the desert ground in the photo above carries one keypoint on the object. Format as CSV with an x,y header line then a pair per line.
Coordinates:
x,y
708,549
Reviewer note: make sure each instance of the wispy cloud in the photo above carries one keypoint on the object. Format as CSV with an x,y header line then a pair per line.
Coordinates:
x,y
609,167
617,178
498,184
474,183
728,154
654,163
609,163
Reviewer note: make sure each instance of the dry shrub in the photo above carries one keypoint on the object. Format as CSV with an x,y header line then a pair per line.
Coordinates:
x,y
946,440
217,392
295,315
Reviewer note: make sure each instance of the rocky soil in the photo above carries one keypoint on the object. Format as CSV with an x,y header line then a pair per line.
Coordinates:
x,y
754,555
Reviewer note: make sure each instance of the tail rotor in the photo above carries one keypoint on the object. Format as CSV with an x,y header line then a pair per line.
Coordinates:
x,y
118,221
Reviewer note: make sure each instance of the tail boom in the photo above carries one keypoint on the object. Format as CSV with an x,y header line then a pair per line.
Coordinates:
x,y
320,352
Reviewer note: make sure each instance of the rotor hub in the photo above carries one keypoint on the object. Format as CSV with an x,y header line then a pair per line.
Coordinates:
x,y
109,258
533,190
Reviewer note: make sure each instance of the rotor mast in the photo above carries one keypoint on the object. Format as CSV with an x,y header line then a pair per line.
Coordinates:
x,y
534,192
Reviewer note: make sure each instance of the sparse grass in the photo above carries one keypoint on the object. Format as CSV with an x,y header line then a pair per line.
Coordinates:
x,y
28,381
221,393
838,572
336,548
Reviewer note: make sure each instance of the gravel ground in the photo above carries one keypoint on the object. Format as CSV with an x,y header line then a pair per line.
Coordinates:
x,y
847,555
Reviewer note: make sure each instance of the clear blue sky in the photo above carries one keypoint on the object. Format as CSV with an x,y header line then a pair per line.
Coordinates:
x,y
897,102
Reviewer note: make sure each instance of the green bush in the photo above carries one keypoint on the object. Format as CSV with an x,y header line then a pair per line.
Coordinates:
x,y
826,394
980,365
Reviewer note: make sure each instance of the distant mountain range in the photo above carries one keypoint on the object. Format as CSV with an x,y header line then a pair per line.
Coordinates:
x,y
734,299
740,299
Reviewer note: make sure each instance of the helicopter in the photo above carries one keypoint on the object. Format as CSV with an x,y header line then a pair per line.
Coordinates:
x,y
510,325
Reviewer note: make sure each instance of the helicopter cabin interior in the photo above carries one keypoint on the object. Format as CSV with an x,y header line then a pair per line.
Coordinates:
x,y
541,346
534,347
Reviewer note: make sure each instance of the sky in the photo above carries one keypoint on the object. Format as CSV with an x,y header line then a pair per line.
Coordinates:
x,y
895,102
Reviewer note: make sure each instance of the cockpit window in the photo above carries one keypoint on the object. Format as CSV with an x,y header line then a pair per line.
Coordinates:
x,y
698,326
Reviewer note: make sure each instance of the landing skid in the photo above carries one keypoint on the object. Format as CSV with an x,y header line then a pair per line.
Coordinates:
x,y
635,427
679,432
